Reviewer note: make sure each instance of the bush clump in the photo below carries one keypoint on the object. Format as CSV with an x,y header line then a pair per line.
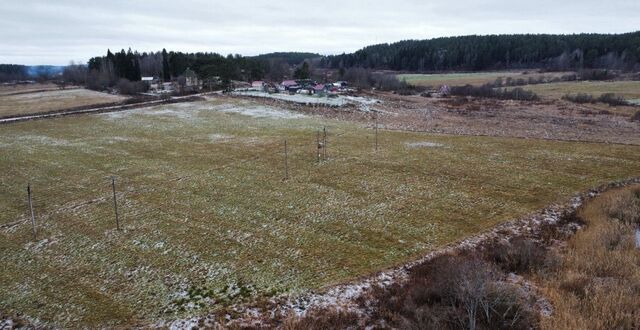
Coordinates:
x,y
607,98
488,91
127,87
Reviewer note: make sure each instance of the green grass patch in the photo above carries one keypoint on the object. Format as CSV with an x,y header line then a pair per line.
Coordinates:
x,y
208,220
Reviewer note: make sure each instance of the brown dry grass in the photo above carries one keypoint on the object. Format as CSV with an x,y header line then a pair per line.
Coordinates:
x,y
598,284
471,78
45,101
27,88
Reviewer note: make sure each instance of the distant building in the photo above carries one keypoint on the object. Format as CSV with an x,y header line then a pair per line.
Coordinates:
x,y
258,85
288,83
152,82
191,78
320,89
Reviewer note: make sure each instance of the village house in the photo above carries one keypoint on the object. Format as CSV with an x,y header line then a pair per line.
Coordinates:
x,y
191,79
258,85
152,82
289,84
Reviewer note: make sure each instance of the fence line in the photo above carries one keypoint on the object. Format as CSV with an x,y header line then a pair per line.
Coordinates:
x,y
53,205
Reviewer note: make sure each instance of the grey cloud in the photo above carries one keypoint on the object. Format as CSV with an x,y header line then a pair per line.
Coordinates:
x,y
55,32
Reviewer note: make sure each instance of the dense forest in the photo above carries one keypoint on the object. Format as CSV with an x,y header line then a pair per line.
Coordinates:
x,y
105,71
11,72
291,58
465,53
493,52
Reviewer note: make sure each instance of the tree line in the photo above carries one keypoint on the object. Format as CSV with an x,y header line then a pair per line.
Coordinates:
x,y
10,72
16,72
495,52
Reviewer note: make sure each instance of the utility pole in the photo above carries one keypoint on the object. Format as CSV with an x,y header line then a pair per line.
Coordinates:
x,y
324,144
376,132
286,161
318,146
33,217
115,202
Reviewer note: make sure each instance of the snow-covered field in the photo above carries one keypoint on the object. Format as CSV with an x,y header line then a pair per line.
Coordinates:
x,y
362,102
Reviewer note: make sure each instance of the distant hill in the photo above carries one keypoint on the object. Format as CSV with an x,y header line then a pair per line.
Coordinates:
x,y
475,53
48,70
291,58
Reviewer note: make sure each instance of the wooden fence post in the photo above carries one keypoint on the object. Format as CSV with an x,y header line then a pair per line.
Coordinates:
x,y
324,144
318,146
376,132
286,161
115,202
33,217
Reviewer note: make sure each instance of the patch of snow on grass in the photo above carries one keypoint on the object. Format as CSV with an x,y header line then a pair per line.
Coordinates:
x,y
424,144
48,141
177,110
172,112
219,137
263,112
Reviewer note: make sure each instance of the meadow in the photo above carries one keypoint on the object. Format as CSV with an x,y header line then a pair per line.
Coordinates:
x,y
471,78
26,88
31,102
208,220
629,90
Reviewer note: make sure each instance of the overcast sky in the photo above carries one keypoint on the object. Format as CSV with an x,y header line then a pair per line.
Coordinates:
x,y
58,31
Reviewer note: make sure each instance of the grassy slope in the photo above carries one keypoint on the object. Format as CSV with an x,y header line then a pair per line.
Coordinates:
x,y
52,100
204,205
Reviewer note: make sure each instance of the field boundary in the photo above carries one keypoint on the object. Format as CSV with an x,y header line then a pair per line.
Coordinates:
x,y
507,136
111,107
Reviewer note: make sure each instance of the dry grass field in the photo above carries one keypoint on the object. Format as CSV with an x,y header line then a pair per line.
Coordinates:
x,y
597,285
472,78
29,103
628,89
27,88
207,219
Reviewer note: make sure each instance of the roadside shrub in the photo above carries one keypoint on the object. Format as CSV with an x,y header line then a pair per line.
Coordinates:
x,y
127,87
518,256
579,98
595,74
518,94
453,292
607,98
389,82
612,99
487,91
322,319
